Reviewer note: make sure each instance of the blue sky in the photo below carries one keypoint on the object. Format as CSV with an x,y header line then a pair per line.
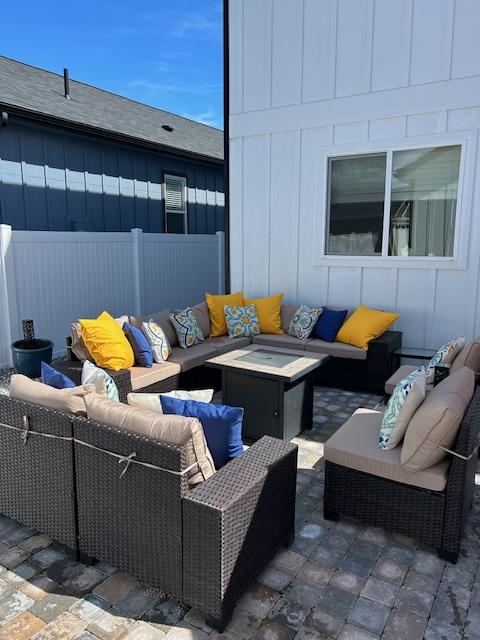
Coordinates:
x,y
166,53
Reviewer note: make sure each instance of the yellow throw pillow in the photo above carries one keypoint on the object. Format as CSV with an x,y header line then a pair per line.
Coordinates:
x,y
107,343
363,325
216,311
268,311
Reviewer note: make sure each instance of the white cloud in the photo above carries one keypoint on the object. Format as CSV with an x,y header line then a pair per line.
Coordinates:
x,y
207,117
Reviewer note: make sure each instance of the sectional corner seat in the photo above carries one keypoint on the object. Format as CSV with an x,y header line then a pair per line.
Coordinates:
x,y
348,366
202,545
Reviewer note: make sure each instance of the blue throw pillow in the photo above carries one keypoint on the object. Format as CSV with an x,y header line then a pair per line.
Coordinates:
x,y
54,378
328,324
141,349
222,425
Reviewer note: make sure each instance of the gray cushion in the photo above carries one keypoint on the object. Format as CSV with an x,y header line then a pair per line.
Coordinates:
x,y
287,313
224,344
401,373
193,356
286,341
355,446
469,357
200,311
336,349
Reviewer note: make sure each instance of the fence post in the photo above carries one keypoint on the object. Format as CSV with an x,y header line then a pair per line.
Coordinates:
x,y
138,271
8,306
221,260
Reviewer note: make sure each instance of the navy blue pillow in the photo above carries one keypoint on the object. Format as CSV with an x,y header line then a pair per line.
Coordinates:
x,y
54,378
328,324
222,425
141,349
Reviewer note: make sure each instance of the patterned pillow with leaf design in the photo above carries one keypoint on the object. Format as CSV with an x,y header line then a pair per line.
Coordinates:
x,y
242,322
407,396
445,355
303,322
186,326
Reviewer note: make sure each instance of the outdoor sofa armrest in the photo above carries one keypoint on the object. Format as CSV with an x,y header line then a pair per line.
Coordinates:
x,y
234,523
380,356
73,370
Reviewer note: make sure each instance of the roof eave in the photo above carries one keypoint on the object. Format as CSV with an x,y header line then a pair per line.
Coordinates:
x,y
105,133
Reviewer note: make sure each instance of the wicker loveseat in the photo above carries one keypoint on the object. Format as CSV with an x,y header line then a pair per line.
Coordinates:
x,y
348,366
60,475
367,483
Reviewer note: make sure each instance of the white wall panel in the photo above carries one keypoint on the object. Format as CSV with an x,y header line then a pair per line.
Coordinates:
x,y
287,36
236,214
257,56
256,215
426,123
351,132
414,299
463,119
431,40
391,44
466,40
236,56
386,128
319,30
284,203
379,288
354,47
344,286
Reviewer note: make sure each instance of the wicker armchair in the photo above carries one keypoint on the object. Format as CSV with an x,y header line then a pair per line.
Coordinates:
x,y
432,517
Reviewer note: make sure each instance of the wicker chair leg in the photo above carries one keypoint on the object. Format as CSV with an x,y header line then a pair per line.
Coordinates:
x,y
449,556
330,515
219,624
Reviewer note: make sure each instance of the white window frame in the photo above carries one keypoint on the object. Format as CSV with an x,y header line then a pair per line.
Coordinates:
x,y
467,142
185,199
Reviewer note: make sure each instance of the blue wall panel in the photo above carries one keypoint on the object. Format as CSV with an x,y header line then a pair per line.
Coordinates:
x,y
52,179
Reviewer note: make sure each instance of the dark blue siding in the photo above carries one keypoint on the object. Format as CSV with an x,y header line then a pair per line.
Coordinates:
x,y
52,179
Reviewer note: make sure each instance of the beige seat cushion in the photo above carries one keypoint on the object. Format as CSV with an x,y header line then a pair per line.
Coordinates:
x,y
437,420
286,314
336,349
224,344
469,357
200,311
162,318
142,377
71,400
355,445
175,430
284,340
193,356
401,373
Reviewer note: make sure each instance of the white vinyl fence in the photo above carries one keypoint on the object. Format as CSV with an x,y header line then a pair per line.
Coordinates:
x,y
57,277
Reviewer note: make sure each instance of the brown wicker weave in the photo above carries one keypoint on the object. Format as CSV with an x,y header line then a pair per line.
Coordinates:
x,y
434,518
36,476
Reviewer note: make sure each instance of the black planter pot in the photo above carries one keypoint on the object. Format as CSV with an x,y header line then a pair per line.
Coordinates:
x,y
28,355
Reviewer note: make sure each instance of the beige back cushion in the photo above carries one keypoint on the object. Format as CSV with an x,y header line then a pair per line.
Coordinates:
x,y
469,357
437,420
78,345
176,430
287,312
71,400
200,311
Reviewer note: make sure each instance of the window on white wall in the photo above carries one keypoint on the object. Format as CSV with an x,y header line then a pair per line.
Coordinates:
x,y
397,203
175,196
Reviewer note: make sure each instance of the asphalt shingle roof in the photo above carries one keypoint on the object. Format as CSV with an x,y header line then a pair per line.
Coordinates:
x,y
41,92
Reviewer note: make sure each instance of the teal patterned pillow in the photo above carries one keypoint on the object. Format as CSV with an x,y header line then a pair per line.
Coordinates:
x,y
303,322
407,396
445,355
157,339
242,321
186,326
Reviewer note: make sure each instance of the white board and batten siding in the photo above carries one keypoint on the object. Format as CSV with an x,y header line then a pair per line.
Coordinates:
x,y
57,277
314,78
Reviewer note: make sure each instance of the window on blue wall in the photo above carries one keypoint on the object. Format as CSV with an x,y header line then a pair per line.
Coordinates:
x,y
397,203
175,198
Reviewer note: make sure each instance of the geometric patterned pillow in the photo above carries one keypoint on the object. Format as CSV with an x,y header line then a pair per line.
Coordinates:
x,y
186,326
445,355
157,339
242,321
303,322
407,396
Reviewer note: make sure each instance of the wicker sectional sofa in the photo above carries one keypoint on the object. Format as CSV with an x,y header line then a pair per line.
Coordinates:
x,y
203,545
349,366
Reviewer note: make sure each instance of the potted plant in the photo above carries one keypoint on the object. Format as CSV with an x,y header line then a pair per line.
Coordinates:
x,y
29,353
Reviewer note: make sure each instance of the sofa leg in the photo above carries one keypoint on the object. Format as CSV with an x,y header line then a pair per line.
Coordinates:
x,y
219,624
449,556
330,515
